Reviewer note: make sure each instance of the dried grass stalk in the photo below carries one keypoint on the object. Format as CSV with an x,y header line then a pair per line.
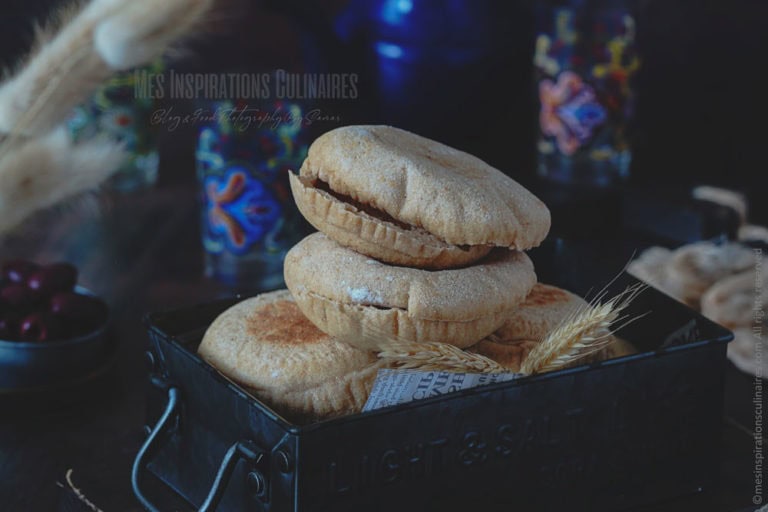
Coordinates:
x,y
81,49
437,357
584,332
581,334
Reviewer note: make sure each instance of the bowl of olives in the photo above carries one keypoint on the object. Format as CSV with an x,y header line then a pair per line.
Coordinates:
x,y
52,331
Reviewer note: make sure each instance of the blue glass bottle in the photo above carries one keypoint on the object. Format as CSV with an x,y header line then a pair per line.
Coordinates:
x,y
437,67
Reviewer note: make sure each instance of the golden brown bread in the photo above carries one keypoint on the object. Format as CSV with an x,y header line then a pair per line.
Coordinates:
x,y
650,266
744,349
411,201
736,302
732,301
693,268
543,310
268,346
687,272
367,303
369,234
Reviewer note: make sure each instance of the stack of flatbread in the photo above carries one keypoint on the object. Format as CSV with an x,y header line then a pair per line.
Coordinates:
x,y
418,242
726,282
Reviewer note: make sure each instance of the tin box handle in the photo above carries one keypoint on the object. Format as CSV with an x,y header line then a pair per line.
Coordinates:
x,y
239,450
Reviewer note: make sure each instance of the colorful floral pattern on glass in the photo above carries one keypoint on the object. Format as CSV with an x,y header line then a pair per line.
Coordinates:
x,y
241,210
584,66
569,111
246,199
116,111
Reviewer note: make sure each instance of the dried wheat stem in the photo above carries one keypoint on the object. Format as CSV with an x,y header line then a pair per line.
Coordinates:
x,y
60,74
439,357
580,334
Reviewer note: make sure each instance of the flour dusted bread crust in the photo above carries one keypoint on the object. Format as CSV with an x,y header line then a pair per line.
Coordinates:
x,y
650,266
367,303
411,201
367,233
693,268
722,280
743,351
688,272
543,310
732,301
268,346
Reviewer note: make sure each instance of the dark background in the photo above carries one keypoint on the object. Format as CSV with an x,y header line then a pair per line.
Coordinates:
x,y
700,119
701,94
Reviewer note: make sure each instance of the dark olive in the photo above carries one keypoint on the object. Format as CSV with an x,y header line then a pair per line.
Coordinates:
x,y
40,327
18,297
59,277
18,271
81,313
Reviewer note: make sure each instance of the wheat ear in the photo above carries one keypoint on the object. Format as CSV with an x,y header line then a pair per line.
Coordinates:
x,y
437,357
582,333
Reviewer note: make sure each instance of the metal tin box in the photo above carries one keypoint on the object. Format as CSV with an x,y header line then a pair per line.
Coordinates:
x,y
605,436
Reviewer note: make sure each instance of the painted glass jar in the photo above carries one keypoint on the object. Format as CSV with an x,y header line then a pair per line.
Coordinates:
x,y
585,60
249,218
116,111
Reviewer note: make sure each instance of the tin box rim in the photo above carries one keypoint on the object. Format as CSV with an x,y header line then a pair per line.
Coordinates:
x,y
718,335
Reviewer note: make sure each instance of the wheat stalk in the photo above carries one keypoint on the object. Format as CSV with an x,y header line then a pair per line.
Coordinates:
x,y
16,132
437,357
581,334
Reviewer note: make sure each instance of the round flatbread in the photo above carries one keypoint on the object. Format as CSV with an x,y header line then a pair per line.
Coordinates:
x,y
732,301
369,304
269,347
411,201
545,308
650,266
693,268
748,352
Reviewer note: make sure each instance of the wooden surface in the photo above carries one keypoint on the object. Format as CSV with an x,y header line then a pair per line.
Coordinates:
x,y
142,253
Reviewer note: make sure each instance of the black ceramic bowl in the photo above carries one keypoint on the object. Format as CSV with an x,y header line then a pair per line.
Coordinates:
x,y
42,366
